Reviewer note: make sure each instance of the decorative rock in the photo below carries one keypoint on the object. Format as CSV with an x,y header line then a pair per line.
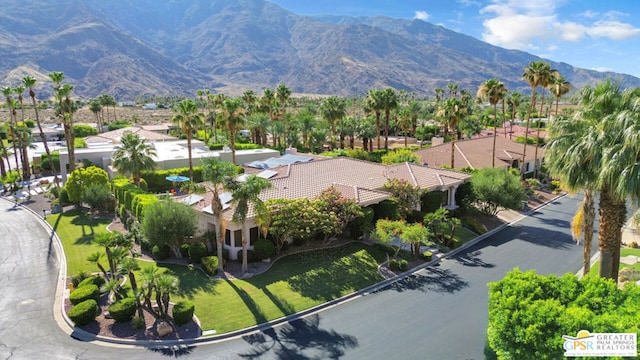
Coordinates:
x,y
163,328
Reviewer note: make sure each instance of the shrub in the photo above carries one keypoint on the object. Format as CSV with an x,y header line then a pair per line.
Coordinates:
x,y
403,265
92,280
251,256
84,312
81,130
160,252
393,264
427,255
84,293
76,279
64,197
184,250
210,264
197,251
263,249
533,183
183,312
123,310
633,245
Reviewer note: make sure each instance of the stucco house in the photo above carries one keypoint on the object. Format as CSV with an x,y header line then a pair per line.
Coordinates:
x,y
360,180
477,153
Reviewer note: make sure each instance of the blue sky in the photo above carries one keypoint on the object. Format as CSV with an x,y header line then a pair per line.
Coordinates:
x,y
591,34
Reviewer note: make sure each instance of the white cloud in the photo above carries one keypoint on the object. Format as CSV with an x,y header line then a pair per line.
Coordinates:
x,y
421,15
613,30
533,24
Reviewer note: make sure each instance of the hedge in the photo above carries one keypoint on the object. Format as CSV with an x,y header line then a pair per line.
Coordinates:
x,y
210,264
161,252
140,202
123,310
183,312
157,182
84,313
84,293
92,280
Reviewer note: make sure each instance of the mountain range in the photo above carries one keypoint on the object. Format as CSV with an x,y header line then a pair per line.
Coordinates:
x,y
141,48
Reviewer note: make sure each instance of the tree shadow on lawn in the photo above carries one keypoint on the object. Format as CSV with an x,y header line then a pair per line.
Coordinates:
x,y
87,224
299,339
192,281
340,274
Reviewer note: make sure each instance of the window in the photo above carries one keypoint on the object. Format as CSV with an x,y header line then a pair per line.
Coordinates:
x,y
254,234
227,237
237,235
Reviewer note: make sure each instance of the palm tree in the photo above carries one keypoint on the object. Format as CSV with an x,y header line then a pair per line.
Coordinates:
x,y
133,155
453,90
67,108
333,109
128,266
452,111
546,77
389,101
283,94
7,91
94,258
373,102
492,91
246,194
148,279
186,116
515,98
597,152
217,173
306,123
559,87
233,114
165,284
29,82
532,75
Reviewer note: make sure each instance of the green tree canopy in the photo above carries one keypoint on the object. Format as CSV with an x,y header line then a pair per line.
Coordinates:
x,y
496,188
169,223
82,178
529,313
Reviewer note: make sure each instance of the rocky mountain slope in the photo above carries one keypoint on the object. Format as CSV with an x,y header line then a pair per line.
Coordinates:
x,y
136,48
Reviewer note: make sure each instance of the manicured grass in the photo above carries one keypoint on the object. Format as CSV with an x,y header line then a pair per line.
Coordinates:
x,y
77,230
595,268
463,235
294,283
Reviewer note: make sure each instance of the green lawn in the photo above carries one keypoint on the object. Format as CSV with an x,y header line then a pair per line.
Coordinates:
x,y
76,231
293,283
595,268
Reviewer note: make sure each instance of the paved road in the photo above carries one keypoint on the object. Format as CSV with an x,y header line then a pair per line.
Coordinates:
x,y
438,313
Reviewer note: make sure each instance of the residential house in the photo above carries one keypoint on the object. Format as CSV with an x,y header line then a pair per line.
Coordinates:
x,y
477,153
359,180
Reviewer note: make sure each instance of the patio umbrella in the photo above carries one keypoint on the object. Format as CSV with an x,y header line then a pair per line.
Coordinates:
x,y
177,178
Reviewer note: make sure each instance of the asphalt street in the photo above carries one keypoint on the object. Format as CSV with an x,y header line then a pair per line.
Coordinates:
x,y
437,313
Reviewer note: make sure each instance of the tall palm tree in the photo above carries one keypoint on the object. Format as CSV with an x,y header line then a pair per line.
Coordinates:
x,y
515,98
374,103
332,110
306,123
133,155
559,87
546,78
7,91
217,173
246,194
67,108
30,82
492,91
389,101
186,116
233,114
532,75
452,110
597,152
453,90
283,95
